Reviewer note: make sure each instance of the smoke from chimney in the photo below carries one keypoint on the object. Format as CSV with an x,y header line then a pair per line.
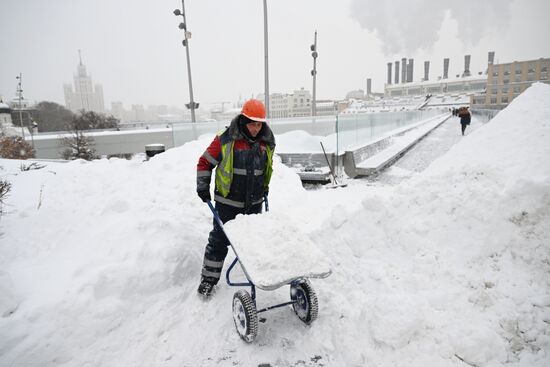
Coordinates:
x,y
391,21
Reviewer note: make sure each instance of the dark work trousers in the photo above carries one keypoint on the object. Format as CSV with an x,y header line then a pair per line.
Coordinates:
x,y
217,247
463,128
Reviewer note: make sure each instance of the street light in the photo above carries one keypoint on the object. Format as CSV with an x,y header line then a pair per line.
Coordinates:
x,y
20,95
192,105
34,126
314,54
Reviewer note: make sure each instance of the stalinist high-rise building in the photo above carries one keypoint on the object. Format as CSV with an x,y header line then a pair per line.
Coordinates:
x,y
85,96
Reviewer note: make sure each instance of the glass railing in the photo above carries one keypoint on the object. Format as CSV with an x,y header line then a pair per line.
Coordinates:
x,y
484,115
338,133
356,130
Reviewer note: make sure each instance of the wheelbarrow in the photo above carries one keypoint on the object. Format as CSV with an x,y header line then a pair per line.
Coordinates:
x,y
303,298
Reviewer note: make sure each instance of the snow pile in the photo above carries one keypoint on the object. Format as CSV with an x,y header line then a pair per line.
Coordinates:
x,y
99,262
290,252
301,140
454,264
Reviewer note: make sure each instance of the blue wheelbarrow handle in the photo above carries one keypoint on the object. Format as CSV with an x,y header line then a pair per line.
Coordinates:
x,y
219,221
215,212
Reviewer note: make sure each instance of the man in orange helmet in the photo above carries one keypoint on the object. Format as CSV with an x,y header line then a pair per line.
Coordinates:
x,y
243,157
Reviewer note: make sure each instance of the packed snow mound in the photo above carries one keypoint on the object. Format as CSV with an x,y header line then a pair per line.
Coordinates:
x,y
99,262
511,143
91,245
456,261
298,141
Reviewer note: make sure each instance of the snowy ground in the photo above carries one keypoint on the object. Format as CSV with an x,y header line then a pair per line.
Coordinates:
x,y
99,262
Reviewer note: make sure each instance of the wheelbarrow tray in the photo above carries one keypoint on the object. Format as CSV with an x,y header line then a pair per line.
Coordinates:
x,y
274,252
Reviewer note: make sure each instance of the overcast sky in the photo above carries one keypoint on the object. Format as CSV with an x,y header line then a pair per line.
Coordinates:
x,y
133,48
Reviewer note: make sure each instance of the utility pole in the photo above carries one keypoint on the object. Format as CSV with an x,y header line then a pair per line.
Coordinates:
x,y
266,92
191,105
20,94
314,74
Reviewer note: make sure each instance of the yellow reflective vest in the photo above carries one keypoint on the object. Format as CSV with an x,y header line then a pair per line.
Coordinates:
x,y
224,171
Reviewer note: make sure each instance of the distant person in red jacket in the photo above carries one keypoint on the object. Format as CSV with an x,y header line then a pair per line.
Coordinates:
x,y
465,118
243,155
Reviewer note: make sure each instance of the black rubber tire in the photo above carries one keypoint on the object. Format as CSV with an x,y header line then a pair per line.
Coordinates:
x,y
245,316
307,306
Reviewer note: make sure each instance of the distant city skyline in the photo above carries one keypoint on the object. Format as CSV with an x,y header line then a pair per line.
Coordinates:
x,y
134,48
85,95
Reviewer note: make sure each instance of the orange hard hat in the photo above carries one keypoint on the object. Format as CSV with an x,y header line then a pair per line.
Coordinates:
x,y
254,109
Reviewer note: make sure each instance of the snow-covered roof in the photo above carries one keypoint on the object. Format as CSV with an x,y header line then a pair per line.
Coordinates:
x,y
4,106
469,79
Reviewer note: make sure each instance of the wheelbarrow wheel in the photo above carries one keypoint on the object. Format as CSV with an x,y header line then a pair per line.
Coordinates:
x,y
245,316
306,305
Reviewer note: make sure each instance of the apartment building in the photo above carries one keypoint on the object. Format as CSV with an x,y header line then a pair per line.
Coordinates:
x,y
507,81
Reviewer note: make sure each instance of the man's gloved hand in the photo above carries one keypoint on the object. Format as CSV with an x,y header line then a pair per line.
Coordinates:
x,y
204,195
266,191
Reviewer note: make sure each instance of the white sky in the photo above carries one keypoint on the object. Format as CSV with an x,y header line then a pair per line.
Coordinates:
x,y
133,48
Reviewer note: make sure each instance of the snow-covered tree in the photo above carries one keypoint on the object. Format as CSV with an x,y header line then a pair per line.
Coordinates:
x,y
78,145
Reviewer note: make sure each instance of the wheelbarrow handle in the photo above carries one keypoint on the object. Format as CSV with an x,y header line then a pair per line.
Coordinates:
x,y
219,221
215,212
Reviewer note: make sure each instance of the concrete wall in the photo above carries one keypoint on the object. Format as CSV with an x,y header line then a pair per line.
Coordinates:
x,y
106,143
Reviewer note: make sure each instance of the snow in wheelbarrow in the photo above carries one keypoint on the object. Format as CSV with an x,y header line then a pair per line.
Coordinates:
x,y
274,251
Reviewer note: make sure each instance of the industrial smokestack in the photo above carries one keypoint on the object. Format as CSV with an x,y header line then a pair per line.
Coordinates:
x,y
491,59
369,86
426,69
445,68
410,70
403,70
397,72
466,65
389,72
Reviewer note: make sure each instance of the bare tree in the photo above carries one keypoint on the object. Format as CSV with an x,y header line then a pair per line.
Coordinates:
x,y
78,145
5,188
94,120
51,116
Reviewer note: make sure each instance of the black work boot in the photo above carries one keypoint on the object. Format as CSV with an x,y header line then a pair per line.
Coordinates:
x,y
206,287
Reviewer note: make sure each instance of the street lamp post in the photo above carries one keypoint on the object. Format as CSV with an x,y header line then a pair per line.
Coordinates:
x,y
314,74
20,95
34,126
191,105
266,59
